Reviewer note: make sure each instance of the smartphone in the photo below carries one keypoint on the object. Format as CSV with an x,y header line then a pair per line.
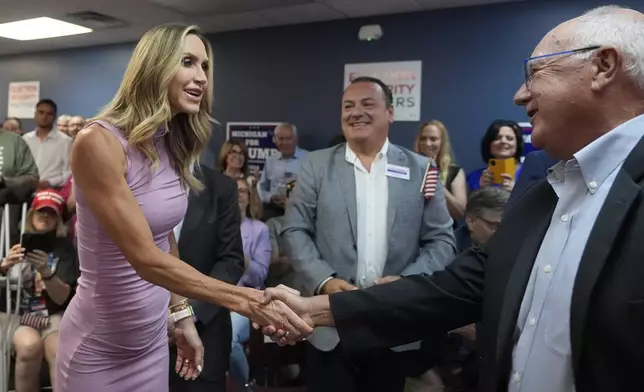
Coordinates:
x,y
497,167
45,242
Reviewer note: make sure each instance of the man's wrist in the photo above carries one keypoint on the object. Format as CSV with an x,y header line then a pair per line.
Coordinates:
x,y
320,311
318,290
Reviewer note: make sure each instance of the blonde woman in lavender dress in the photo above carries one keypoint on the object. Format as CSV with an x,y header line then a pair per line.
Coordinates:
x,y
130,166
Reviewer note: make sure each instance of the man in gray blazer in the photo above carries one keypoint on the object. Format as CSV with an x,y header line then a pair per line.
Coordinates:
x,y
360,216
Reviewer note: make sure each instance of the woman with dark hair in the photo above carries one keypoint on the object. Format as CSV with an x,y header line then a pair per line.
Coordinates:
x,y
503,139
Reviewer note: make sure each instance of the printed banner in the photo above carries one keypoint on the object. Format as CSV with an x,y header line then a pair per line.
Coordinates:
x,y
23,97
258,139
526,129
402,77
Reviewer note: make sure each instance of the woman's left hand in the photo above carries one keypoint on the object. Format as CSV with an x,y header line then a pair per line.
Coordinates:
x,y
189,350
40,260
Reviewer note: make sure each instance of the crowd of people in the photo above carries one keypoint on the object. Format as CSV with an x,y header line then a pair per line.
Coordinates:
x,y
391,267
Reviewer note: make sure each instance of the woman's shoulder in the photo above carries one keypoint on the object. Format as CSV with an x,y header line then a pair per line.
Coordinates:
x,y
258,225
99,133
455,167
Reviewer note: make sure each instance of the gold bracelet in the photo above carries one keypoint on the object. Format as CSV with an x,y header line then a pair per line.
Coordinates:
x,y
181,305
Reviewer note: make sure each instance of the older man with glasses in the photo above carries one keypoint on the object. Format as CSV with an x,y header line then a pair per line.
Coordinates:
x,y
558,288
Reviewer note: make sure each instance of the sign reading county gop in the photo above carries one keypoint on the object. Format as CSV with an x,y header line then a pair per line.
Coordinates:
x,y
402,77
258,139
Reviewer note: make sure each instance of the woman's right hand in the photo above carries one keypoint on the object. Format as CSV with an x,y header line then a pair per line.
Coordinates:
x,y
279,315
15,256
486,179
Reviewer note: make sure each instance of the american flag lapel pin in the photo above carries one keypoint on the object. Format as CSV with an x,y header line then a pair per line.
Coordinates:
x,y
430,182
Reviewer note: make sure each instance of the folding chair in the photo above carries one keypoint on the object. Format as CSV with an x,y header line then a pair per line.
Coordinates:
x,y
12,282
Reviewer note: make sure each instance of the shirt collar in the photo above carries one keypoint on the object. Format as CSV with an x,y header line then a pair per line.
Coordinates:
x,y
51,135
297,154
601,157
351,156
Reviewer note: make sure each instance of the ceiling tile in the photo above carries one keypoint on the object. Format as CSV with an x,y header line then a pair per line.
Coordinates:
x,y
204,7
238,21
359,8
305,13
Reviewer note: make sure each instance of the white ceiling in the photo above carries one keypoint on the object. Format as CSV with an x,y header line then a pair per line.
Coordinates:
x,y
211,15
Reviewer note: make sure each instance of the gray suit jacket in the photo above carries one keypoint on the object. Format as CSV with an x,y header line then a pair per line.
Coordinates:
x,y
320,233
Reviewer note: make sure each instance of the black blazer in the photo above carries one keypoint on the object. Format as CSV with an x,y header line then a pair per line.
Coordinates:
x,y
210,241
606,314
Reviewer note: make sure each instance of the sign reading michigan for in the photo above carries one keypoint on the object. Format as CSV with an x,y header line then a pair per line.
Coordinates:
x,y
402,77
258,139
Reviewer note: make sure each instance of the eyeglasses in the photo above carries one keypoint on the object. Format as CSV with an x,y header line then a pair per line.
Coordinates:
x,y
527,69
491,224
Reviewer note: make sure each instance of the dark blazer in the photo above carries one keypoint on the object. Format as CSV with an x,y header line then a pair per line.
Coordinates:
x,y
606,314
210,241
534,168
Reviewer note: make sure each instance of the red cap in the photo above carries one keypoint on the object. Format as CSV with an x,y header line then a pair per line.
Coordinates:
x,y
48,198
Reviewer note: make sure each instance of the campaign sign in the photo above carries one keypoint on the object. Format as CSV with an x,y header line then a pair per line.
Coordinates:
x,y
258,139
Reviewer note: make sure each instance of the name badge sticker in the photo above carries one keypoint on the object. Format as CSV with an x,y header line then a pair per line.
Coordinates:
x,y
398,172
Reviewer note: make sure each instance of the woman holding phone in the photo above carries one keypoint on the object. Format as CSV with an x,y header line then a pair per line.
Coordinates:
x,y
503,140
49,278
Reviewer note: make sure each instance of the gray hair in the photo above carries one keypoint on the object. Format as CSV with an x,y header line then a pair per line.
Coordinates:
x,y
611,25
64,117
488,198
288,125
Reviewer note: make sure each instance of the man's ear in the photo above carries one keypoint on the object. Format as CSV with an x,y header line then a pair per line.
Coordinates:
x,y
469,222
605,66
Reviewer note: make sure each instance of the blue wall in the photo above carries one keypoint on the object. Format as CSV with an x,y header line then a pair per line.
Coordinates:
x,y
472,65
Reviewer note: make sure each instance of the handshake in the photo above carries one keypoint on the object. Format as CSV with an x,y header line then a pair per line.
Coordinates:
x,y
286,317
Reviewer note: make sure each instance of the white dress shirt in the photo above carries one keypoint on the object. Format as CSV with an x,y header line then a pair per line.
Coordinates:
x,y
372,197
51,155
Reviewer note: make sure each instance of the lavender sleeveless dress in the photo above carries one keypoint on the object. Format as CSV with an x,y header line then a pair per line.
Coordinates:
x,y
113,336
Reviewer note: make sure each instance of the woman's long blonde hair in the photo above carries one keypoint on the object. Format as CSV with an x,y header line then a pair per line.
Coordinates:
x,y
445,156
141,106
